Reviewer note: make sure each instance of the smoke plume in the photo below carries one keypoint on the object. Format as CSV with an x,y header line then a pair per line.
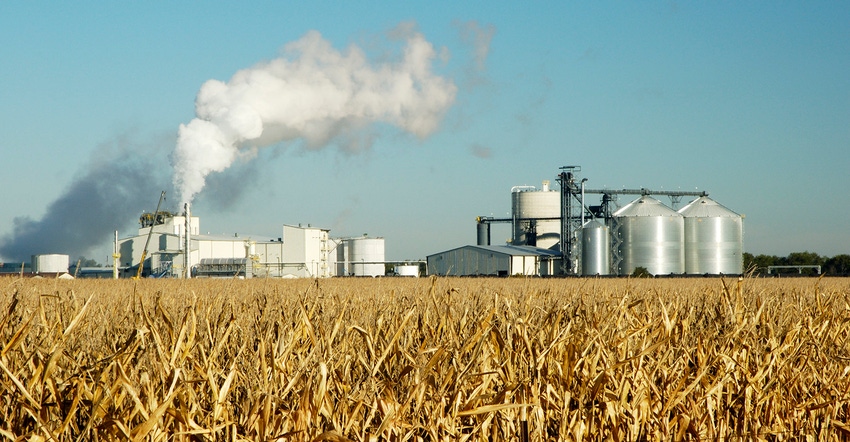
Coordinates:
x,y
109,196
314,94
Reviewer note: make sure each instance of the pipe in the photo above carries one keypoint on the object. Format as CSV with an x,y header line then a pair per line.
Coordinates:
x,y
584,180
115,257
187,249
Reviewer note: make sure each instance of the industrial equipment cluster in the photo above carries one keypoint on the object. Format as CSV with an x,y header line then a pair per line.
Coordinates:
x,y
553,233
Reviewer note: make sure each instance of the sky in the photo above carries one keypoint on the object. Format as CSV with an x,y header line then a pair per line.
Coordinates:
x,y
407,120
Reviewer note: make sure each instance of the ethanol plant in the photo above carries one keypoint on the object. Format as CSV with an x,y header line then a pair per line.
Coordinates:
x,y
607,238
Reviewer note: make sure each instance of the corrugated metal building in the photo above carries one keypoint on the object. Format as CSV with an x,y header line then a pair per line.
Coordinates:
x,y
472,260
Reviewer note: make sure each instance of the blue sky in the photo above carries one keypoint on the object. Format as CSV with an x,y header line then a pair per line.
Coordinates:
x,y
749,101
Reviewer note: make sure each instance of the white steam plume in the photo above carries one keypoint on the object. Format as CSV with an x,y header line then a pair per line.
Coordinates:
x,y
314,93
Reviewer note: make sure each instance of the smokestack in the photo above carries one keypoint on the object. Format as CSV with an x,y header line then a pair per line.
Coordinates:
x,y
187,248
116,257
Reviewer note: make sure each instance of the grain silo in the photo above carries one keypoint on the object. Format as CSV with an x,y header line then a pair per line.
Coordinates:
x,y
714,238
651,235
536,216
595,249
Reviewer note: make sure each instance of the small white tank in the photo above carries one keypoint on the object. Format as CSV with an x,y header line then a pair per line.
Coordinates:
x,y
407,270
50,263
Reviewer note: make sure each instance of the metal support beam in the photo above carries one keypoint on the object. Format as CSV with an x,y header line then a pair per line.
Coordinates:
x,y
570,216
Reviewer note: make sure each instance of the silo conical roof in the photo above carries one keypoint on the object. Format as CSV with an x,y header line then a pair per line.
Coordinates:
x,y
705,207
592,224
645,206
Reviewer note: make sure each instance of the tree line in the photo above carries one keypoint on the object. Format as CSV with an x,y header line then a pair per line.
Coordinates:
x,y
838,265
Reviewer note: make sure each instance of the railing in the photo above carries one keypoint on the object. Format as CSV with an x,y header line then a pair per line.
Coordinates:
x,y
800,268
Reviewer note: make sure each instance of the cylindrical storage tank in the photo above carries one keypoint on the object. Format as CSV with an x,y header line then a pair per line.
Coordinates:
x,y
528,202
483,233
714,238
342,268
651,236
595,249
407,270
50,263
366,256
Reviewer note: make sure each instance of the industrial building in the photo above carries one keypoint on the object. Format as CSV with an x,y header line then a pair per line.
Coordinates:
x,y
485,260
300,252
554,232
702,238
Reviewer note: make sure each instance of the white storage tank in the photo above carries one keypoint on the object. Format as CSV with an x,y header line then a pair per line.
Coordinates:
x,y
529,202
651,236
366,256
714,238
595,249
50,263
407,270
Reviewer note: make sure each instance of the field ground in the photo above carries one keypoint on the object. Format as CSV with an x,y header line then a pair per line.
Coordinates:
x,y
425,359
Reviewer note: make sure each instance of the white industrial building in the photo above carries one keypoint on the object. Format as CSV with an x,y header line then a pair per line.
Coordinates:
x,y
305,252
507,260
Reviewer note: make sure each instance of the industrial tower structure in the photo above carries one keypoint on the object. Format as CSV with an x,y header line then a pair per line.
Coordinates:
x,y
574,213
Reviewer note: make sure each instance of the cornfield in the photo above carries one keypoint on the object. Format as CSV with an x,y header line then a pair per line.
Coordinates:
x,y
427,359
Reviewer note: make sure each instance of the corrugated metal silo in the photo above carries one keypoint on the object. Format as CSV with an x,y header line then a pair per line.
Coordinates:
x,y
529,202
595,249
651,236
714,238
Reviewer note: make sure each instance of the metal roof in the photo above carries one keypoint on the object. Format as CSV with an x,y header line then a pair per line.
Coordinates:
x,y
645,206
510,250
705,207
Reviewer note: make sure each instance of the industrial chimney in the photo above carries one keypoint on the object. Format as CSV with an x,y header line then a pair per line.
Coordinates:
x,y
187,249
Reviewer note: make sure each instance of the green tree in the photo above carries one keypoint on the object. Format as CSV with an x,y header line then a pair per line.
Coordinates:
x,y
804,259
749,262
641,272
837,265
758,264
